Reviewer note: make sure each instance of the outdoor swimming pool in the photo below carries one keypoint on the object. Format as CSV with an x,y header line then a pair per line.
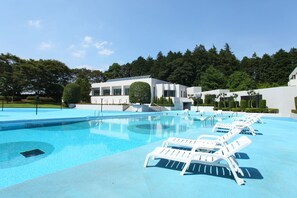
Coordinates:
x,y
269,163
32,152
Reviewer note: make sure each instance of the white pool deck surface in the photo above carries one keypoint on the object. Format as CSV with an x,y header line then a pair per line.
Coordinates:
x,y
269,164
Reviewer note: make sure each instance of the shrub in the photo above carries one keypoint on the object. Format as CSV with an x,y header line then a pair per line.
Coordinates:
x,y
215,108
252,110
296,103
226,109
231,104
273,110
221,104
262,104
243,104
294,111
261,110
216,104
249,104
140,92
237,109
71,93
209,99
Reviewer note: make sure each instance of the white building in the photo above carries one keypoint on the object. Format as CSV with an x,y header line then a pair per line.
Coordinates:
x,y
293,78
116,91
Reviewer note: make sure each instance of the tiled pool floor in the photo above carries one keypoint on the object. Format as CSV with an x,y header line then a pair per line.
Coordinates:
x,y
269,164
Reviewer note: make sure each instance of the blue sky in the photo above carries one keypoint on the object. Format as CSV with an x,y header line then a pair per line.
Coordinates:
x,y
96,33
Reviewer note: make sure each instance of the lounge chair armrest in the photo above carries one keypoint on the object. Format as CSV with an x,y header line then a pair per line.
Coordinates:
x,y
208,136
193,154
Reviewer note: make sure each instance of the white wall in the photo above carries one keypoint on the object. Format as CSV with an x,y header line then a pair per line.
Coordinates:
x,y
281,98
98,107
110,99
215,92
192,91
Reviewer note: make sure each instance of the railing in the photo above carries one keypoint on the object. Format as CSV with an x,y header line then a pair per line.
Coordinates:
x,y
211,118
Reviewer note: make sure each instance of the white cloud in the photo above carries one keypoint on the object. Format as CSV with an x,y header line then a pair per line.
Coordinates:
x,y
105,52
34,23
87,44
87,41
45,46
71,47
78,53
100,44
84,66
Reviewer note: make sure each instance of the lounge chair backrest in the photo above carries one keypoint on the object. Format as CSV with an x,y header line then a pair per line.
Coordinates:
x,y
234,146
227,136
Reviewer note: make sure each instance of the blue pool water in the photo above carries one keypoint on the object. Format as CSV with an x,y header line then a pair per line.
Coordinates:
x,y
70,144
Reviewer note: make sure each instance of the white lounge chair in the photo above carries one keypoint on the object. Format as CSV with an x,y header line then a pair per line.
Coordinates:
x,y
208,142
236,124
213,159
255,117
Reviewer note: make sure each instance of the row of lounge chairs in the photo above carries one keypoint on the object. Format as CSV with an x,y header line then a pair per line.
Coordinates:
x,y
208,149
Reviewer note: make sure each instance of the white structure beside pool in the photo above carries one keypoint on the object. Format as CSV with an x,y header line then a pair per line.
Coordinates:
x,y
293,78
115,91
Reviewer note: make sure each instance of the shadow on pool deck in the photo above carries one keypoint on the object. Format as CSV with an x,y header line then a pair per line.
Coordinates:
x,y
201,169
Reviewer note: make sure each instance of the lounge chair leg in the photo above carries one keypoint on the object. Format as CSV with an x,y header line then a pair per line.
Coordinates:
x,y
146,160
238,180
165,144
185,168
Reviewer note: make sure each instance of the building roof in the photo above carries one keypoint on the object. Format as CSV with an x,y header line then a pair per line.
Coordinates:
x,y
129,78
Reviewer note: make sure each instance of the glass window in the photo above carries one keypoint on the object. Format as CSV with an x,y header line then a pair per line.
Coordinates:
x,y
126,91
117,92
106,92
96,92
169,93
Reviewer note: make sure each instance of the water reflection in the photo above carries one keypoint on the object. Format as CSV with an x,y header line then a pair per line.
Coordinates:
x,y
145,129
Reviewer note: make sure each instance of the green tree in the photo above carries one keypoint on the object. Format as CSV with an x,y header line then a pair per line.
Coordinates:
x,y
85,88
212,79
114,71
227,61
140,92
240,81
71,93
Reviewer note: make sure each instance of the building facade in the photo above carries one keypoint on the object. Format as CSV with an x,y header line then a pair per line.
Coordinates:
x,y
116,91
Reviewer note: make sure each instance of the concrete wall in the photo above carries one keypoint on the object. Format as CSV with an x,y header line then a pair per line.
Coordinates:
x,y
281,98
215,92
98,107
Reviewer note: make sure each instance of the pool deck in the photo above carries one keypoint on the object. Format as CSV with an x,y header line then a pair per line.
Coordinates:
x,y
269,164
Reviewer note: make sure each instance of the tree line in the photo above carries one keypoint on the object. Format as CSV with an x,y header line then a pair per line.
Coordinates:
x,y
211,69
42,77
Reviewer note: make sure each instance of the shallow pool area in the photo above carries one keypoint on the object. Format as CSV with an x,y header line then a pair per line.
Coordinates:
x,y
56,146
105,157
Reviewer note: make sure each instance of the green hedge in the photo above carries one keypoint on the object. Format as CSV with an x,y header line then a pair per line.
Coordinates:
x,y
273,110
209,99
231,104
296,103
32,99
262,104
237,109
162,101
140,92
294,111
261,110
243,104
